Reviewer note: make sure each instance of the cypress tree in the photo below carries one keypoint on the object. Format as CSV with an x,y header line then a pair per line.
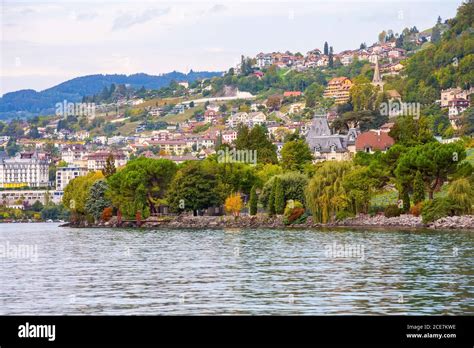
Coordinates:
x,y
253,201
279,196
418,188
406,201
405,197
331,58
109,167
271,201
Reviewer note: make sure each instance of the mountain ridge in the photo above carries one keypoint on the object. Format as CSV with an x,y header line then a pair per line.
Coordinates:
x,y
29,102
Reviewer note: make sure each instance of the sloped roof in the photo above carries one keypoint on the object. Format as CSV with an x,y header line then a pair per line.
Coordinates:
x,y
375,140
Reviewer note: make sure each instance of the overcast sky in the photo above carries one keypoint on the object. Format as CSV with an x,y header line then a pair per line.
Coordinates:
x,y
45,43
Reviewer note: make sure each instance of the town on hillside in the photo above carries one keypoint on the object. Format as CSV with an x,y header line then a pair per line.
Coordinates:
x,y
274,121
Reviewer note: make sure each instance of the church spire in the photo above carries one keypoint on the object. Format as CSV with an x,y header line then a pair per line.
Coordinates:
x,y
377,80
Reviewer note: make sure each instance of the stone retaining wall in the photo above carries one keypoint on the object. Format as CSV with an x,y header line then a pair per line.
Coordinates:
x,y
264,221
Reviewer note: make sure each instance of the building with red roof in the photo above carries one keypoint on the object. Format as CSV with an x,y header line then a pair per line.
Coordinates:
x,y
291,93
372,141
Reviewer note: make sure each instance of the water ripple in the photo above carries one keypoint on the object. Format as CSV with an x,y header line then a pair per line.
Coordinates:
x,y
112,271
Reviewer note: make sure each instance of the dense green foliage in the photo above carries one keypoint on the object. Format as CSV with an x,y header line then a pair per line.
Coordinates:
x,y
392,210
96,201
195,187
325,194
448,63
416,168
253,202
141,185
438,208
256,139
295,155
433,160
418,188
293,185
279,196
76,193
462,192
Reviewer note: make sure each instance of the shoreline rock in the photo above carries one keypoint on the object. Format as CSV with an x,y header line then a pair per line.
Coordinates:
x,y
404,221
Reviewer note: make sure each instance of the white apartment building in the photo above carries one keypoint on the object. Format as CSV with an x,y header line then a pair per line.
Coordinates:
x,y
74,154
66,174
97,160
14,197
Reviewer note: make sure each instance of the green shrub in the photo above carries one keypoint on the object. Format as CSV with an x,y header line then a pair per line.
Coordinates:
x,y
438,208
344,214
461,192
375,209
293,185
392,210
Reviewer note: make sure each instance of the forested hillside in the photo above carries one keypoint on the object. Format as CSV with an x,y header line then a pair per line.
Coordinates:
x,y
28,102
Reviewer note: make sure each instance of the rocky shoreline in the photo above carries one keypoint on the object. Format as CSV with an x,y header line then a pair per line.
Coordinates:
x,y
264,221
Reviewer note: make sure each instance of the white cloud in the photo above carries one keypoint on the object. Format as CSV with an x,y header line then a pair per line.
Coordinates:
x,y
127,20
218,8
62,39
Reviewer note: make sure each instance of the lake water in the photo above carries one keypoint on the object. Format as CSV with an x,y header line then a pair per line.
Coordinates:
x,y
46,269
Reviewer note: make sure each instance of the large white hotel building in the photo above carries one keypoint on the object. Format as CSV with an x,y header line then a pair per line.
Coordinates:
x,y
24,170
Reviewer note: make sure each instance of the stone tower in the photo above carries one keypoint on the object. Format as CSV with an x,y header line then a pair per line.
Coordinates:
x,y
377,80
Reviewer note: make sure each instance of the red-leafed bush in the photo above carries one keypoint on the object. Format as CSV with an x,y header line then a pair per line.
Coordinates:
x,y
106,214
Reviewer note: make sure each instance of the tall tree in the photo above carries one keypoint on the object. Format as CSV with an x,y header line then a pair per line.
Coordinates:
x,y
461,192
295,155
326,48
195,187
141,186
325,194
410,132
418,188
331,58
433,160
279,197
96,201
363,95
359,186
76,193
109,167
271,202
435,34
253,201
256,139
312,94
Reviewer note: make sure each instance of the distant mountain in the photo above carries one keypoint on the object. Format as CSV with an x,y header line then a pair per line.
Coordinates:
x,y
28,102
